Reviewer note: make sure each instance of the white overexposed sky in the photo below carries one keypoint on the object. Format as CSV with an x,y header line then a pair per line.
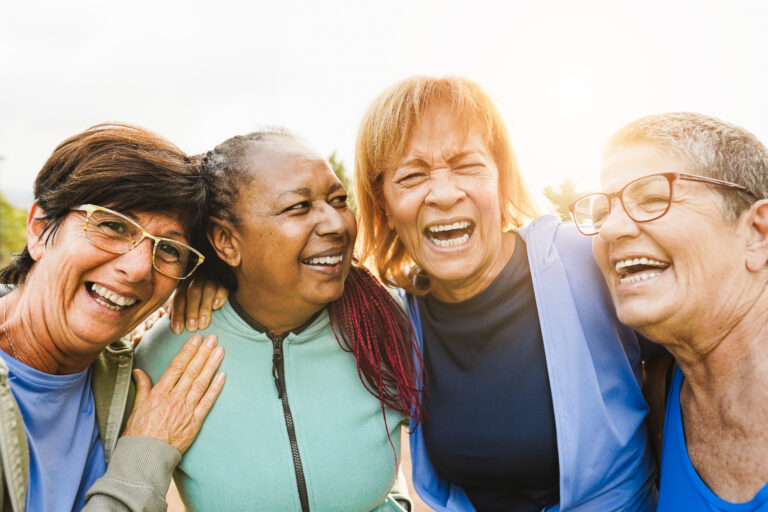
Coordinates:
x,y
566,74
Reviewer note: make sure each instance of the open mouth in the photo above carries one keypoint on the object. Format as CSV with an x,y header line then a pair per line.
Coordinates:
x,y
634,270
324,261
108,298
450,235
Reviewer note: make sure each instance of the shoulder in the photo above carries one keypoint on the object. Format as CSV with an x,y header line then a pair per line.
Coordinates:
x,y
158,347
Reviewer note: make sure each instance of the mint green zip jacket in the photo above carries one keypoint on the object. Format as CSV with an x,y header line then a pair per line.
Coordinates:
x,y
293,429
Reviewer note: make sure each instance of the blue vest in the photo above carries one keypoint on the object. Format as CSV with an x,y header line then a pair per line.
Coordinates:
x,y
594,372
681,487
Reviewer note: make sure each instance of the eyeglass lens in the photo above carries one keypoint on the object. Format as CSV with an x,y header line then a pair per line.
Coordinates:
x,y
119,235
644,199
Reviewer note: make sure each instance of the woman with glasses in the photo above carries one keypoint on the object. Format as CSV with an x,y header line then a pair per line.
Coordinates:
x,y
117,210
681,237
320,373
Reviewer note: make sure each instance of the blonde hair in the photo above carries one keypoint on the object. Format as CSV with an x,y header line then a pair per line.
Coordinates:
x,y
384,134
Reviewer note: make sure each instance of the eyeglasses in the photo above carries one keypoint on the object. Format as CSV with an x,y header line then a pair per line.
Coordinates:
x,y
644,199
116,233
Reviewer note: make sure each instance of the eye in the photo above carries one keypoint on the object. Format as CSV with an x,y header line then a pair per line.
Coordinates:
x,y
412,178
299,208
338,202
113,226
168,251
469,167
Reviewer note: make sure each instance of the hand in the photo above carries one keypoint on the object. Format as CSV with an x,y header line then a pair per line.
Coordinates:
x,y
138,332
194,301
174,409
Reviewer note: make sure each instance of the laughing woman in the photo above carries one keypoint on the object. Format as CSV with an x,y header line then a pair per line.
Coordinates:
x,y
109,237
320,373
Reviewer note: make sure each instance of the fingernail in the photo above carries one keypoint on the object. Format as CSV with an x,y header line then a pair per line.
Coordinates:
x,y
218,353
192,324
210,341
195,340
219,378
216,302
203,322
177,328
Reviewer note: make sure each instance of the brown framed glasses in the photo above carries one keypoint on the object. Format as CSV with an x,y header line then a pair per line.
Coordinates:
x,y
644,199
116,233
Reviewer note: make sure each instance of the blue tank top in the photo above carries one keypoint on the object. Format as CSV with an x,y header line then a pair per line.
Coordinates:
x,y
681,487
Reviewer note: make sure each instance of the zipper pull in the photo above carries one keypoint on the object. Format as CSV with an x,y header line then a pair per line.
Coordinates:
x,y
277,362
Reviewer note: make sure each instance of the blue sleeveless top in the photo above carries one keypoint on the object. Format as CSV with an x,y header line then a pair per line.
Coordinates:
x,y
681,487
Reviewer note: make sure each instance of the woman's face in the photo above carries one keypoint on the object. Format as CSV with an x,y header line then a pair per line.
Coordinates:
x,y
91,297
694,257
443,200
296,232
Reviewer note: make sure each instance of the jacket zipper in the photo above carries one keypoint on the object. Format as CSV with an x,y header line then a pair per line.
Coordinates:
x,y
278,373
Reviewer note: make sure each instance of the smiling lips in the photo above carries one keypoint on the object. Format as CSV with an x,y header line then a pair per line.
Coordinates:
x,y
633,270
450,235
324,260
109,299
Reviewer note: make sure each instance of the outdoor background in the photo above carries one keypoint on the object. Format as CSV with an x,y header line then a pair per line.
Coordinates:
x,y
565,74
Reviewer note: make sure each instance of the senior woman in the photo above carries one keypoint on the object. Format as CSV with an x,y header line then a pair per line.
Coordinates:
x,y
682,241
320,373
108,239
533,399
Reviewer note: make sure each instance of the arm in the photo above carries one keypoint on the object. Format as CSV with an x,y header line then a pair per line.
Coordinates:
x,y
164,422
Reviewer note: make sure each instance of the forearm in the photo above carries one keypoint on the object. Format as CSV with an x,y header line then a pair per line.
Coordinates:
x,y
137,478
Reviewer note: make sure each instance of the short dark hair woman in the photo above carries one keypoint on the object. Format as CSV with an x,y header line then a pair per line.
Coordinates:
x,y
111,233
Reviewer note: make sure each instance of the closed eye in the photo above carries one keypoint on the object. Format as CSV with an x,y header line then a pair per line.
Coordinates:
x,y
411,179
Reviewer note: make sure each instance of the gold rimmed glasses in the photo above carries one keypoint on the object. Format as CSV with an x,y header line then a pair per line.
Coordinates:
x,y
116,233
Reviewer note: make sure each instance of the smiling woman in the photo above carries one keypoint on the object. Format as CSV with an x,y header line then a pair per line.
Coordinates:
x,y
320,368
85,278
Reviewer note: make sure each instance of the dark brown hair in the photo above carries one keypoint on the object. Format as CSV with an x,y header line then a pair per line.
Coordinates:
x,y
117,166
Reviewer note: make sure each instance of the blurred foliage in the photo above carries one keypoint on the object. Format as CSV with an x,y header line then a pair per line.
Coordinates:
x,y
338,169
13,224
562,196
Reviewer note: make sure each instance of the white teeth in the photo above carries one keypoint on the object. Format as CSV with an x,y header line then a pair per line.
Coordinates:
x,y
640,261
450,243
325,260
635,278
113,297
448,227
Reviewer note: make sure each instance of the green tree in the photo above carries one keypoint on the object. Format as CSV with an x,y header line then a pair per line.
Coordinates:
x,y
338,169
13,223
562,196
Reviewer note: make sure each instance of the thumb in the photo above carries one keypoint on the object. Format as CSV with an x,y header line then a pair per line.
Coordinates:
x,y
143,385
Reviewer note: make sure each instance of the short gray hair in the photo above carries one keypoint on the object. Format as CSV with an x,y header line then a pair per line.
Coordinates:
x,y
715,148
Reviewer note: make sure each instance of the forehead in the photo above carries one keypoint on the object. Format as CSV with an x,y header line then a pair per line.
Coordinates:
x,y
283,165
441,130
622,164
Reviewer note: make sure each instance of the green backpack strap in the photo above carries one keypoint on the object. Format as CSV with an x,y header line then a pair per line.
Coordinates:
x,y
657,377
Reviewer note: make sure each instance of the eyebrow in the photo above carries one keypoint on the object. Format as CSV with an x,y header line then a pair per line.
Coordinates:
x,y
305,192
419,160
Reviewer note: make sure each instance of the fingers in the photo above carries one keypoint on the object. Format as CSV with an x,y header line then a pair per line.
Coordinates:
x,y
206,303
178,307
179,363
143,386
194,296
209,398
198,373
221,296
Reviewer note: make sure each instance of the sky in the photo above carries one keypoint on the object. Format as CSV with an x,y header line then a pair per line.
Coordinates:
x,y
565,74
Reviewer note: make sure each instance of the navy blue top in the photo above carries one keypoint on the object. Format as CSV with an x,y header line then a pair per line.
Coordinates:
x,y
490,426
681,486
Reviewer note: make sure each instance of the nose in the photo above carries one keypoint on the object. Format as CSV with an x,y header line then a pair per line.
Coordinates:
x,y
329,220
618,224
443,192
136,264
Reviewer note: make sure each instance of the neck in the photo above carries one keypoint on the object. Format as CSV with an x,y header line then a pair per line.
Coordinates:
x,y
723,360
29,341
278,320
464,289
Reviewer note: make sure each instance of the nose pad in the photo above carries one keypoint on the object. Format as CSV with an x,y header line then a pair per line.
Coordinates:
x,y
136,264
618,223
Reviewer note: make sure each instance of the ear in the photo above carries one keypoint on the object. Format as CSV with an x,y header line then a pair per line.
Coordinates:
x,y
35,227
756,247
225,241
